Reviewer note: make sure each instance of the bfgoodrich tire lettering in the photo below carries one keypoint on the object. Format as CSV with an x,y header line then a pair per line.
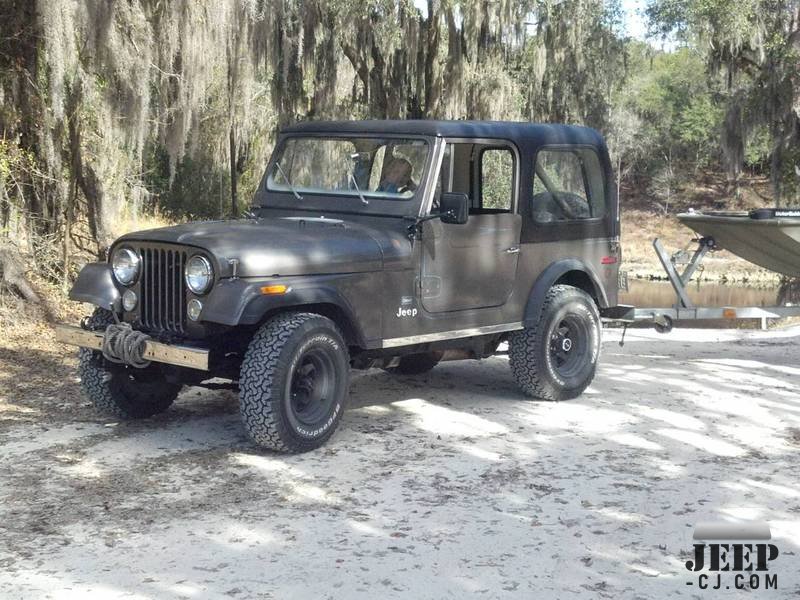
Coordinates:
x,y
293,382
118,390
556,358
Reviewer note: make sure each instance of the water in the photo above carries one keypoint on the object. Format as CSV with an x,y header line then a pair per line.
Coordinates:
x,y
644,294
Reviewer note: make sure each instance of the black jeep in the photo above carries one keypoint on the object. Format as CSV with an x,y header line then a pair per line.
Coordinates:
x,y
389,244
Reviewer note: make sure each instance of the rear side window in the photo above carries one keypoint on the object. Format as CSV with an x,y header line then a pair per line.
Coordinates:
x,y
568,185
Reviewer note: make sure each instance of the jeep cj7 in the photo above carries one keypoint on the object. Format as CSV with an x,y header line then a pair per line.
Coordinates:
x,y
388,244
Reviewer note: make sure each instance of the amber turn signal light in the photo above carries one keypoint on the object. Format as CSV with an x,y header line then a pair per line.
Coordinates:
x,y
271,290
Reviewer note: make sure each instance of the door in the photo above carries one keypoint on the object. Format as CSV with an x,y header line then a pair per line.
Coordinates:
x,y
473,265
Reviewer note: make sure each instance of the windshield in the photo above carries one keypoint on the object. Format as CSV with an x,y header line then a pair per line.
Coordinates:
x,y
382,168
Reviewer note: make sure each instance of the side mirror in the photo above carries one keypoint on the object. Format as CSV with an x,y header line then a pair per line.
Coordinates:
x,y
454,208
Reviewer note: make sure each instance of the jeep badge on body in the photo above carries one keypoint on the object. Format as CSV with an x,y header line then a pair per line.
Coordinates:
x,y
388,244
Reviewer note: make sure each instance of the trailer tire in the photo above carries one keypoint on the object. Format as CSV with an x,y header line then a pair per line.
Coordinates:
x,y
665,326
556,358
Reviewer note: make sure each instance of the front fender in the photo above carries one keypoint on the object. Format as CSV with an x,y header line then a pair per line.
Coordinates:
x,y
95,285
533,308
241,302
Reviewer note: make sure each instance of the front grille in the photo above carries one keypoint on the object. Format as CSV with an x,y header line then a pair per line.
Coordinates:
x,y
163,289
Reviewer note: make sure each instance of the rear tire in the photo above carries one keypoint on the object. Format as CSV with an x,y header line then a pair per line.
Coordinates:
x,y
416,364
294,382
119,390
556,359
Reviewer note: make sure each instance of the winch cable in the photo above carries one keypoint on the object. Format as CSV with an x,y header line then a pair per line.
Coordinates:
x,y
124,345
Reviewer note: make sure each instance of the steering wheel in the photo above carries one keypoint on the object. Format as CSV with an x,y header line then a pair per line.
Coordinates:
x,y
568,211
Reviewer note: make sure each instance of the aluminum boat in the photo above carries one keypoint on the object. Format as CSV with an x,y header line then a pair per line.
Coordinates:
x,y
767,237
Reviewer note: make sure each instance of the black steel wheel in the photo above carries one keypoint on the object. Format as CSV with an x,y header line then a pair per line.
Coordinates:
x,y
311,386
293,382
556,358
569,345
122,391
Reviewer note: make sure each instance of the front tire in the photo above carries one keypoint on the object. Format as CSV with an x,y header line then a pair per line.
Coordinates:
x,y
119,390
556,359
293,383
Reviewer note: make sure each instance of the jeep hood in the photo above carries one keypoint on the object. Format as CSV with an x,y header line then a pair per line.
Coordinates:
x,y
283,246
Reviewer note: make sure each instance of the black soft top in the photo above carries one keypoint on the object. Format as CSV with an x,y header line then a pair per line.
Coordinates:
x,y
522,133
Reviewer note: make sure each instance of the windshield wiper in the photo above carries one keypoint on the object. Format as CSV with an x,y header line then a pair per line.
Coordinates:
x,y
288,181
358,189
352,178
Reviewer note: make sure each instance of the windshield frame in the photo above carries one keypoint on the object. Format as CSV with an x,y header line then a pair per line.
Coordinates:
x,y
344,201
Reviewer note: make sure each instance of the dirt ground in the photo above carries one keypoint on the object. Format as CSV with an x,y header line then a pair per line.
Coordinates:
x,y
449,485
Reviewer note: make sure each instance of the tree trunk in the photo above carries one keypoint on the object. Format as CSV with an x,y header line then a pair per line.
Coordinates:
x,y
69,217
234,199
733,147
431,50
12,275
94,191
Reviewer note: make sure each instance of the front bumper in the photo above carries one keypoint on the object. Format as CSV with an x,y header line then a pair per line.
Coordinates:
x,y
171,354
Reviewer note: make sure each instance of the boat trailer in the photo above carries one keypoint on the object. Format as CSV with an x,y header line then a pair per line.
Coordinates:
x,y
684,309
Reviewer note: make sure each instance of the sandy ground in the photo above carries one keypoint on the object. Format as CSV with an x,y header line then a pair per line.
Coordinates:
x,y
449,485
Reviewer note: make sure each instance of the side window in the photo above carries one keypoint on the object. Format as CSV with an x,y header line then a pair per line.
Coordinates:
x,y
496,179
568,185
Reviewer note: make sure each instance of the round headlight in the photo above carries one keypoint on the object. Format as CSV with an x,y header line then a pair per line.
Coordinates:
x,y
199,274
129,300
125,264
193,309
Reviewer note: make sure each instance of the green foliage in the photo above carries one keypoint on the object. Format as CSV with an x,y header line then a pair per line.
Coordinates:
x,y
497,173
199,188
758,148
754,46
668,120
699,125
572,61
